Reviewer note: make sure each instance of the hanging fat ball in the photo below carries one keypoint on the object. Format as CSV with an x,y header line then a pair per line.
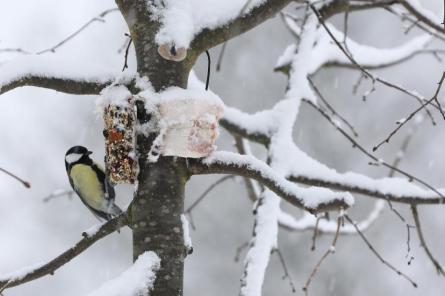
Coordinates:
x,y
89,181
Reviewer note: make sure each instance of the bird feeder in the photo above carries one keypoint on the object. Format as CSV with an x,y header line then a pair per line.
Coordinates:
x,y
190,127
119,117
187,122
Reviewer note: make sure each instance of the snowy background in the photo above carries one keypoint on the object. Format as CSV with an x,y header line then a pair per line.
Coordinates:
x,y
37,126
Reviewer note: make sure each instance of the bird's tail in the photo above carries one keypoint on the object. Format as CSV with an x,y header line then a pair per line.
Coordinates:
x,y
114,210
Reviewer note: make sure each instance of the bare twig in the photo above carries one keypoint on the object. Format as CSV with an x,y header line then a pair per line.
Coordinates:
x,y
390,266
315,234
366,73
16,50
287,18
375,159
329,251
206,192
403,122
25,183
285,269
345,31
252,190
239,250
408,243
126,52
358,83
220,56
50,267
223,48
346,53
69,193
430,255
99,18
335,113
415,23
419,16
399,156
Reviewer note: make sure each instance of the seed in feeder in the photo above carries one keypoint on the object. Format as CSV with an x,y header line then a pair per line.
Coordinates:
x,y
114,136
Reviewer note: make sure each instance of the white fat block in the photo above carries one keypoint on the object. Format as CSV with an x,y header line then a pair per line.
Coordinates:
x,y
190,127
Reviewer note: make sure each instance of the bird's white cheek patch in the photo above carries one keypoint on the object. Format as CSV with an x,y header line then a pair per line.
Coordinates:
x,y
70,158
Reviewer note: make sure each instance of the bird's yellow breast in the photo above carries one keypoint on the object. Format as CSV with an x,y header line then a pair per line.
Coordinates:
x,y
88,185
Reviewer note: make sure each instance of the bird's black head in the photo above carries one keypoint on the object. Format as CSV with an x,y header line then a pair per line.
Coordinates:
x,y
77,154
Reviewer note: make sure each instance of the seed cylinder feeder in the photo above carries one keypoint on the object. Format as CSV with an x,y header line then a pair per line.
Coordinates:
x,y
119,117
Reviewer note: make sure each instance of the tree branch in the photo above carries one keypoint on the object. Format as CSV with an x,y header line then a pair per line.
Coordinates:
x,y
329,251
243,132
340,6
65,85
313,200
430,255
421,17
395,62
99,18
252,188
209,38
371,190
50,267
389,265
24,183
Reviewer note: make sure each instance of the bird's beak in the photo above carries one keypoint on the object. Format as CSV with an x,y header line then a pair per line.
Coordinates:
x,y
89,152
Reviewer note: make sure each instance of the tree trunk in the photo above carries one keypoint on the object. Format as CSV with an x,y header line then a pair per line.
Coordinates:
x,y
159,199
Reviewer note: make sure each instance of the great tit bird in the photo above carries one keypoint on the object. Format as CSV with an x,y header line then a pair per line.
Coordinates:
x,y
90,183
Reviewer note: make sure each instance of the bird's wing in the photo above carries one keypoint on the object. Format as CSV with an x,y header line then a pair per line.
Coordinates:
x,y
98,214
107,186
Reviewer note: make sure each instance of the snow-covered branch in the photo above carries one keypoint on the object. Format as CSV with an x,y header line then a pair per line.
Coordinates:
x,y
225,31
309,222
423,15
68,76
305,170
252,127
302,168
264,240
311,199
327,54
136,280
91,236
392,189
338,6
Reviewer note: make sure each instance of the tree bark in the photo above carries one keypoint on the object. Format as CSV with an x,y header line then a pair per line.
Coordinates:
x,y
159,199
